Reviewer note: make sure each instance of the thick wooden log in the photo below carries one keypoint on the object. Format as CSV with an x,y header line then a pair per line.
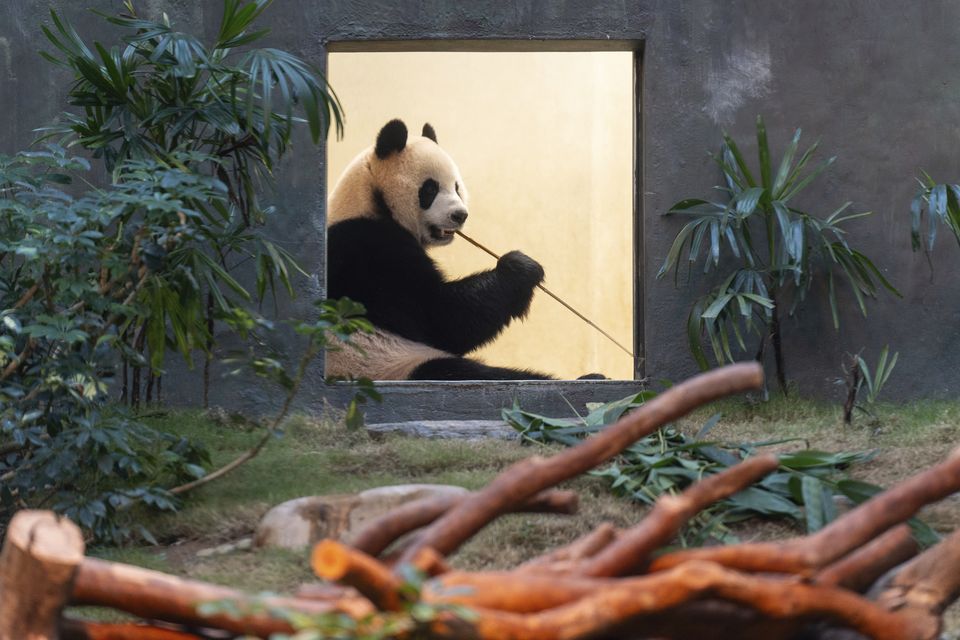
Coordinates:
x,y
381,532
612,604
332,560
860,569
525,479
158,596
855,528
38,562
632,549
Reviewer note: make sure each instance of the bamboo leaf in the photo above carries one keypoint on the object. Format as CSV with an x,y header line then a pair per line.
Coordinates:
x,y
731,146
763,150
784,170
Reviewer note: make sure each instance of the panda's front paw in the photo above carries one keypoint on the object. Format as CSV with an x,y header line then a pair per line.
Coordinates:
x,y
521,267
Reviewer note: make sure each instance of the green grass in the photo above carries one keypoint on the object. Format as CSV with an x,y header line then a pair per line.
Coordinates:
x,y
313,457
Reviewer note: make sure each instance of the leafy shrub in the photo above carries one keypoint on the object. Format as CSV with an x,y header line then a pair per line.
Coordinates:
x,y
71,278
777,251
214,109
94,283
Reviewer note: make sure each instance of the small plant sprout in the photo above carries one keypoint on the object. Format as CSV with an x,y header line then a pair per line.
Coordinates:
x,y
858,374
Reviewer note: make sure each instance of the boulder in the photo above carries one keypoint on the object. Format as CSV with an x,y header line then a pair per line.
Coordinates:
x,y
300,523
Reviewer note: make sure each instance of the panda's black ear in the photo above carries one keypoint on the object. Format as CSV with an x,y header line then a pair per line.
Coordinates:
x,y
393,137
428,132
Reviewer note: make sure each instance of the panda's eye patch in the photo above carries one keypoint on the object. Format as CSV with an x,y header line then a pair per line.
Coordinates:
x,y
428,192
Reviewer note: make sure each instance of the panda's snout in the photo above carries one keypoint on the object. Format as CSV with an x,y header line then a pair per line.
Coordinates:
x,y
459,216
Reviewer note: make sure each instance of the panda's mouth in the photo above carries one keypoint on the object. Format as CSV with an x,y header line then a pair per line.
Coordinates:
x,y
441,235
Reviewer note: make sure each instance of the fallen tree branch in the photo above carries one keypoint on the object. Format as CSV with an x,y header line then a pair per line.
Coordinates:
x,y
332,560
853,529
612,603
154,595
860,569
380,533
524,479
669,514
563,559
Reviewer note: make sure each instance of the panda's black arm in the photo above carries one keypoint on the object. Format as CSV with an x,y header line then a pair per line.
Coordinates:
x,y
480,306
378,263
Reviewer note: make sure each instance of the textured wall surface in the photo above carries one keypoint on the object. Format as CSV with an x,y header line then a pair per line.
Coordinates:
x,y
876,81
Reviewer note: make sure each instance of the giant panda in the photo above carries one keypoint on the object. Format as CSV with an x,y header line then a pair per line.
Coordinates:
x,y
395,200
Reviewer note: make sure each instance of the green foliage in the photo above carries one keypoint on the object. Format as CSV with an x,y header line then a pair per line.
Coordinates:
x,y
877,379
666,462
942,205
776,251
113,278
208,109
68,291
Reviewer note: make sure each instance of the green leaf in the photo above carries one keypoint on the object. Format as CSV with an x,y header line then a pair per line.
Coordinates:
x,y
818,503
763,150
784,170
717,306
766,503
747,200
741,164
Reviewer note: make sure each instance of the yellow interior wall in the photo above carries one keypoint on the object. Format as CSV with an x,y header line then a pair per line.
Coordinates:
x,y
544,143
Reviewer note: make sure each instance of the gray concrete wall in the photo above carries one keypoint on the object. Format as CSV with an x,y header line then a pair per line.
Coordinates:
x,y
875,80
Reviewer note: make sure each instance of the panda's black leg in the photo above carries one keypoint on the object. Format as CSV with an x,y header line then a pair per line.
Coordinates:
x,y
467,369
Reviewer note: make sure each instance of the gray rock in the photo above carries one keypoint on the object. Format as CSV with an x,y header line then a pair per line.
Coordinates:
x,y
455,429
302,522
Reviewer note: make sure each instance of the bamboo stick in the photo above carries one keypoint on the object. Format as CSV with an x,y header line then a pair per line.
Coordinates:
x,y
554,296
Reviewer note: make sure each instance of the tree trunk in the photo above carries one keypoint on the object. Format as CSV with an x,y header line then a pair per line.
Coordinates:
x,y
40,557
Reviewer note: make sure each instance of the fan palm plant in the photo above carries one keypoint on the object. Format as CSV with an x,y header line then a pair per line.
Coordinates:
x,y
776,251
